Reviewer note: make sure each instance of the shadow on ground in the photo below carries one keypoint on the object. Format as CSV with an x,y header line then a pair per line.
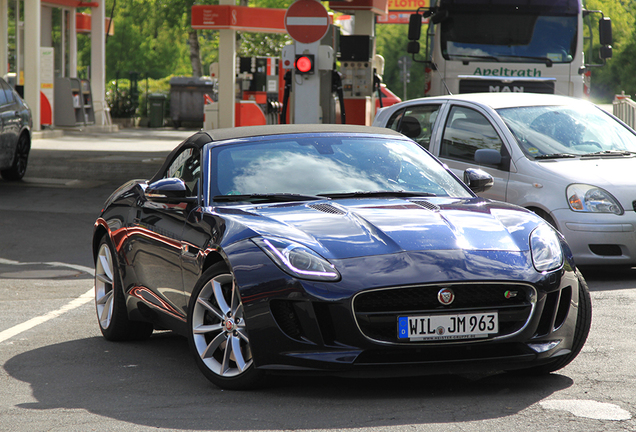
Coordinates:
x,y
156,383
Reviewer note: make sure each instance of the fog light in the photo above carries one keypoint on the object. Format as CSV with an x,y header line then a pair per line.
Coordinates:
x,y
544,346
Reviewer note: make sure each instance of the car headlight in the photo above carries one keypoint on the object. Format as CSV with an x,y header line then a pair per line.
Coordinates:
x,y
546,248
587,198
297,259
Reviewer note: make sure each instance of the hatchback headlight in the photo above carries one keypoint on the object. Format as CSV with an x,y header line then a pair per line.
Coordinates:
x,y
297,260
546,248
587,198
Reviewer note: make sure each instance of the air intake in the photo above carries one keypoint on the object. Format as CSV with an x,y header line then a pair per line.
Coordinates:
x,y
426,204
327,208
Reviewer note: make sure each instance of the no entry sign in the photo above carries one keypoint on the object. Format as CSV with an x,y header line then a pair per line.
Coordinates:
x,y
306,21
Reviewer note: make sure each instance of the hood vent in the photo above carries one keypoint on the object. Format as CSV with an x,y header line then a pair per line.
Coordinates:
x,y
327,208
426,204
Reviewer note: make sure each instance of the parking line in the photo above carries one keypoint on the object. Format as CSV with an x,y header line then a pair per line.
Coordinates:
x,y
33,322
15,330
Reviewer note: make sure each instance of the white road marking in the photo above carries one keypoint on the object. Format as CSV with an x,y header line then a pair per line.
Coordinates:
x,y
33,322
588,409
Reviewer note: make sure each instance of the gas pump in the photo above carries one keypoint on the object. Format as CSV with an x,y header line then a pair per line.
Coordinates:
x,y
257,93
257,80
358,78
313,89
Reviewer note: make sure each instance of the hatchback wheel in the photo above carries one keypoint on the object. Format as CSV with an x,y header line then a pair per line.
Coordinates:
x,y
218,333
20,159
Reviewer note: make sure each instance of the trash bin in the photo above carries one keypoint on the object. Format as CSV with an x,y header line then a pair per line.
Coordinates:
x,y
156,102
187,96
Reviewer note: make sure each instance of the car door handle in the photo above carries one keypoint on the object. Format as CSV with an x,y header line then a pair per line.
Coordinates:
x,y
190,250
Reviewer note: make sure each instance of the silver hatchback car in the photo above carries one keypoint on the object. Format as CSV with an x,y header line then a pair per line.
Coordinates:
x,y
563,158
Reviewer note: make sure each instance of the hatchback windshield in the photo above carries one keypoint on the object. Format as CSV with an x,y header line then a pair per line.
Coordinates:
x,y
567,130
328,165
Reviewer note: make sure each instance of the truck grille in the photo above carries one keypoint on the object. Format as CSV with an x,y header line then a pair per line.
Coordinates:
x,y
506,85
376,312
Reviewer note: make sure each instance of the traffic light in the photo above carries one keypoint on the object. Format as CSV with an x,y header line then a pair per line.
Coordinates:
x,y
304,64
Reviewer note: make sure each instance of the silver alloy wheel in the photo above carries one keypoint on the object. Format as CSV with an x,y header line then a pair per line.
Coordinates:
x,y
104,293
218,328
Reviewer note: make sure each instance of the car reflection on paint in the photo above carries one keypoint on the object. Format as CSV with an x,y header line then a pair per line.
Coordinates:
x,y
333,249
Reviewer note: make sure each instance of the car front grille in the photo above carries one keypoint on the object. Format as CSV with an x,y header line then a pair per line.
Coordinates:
x,y
506,85
377,311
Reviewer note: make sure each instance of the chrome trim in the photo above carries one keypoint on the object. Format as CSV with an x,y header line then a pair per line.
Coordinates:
x,y
532,298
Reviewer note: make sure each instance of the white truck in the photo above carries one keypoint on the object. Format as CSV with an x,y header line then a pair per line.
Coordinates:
x,y
509,46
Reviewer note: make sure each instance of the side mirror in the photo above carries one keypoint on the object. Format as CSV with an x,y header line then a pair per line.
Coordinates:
x,y
487,157
605,31
168,190
605,52
413,47
415,27
478,180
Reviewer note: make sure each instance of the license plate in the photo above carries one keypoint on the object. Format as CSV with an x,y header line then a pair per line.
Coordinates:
x,y
446,327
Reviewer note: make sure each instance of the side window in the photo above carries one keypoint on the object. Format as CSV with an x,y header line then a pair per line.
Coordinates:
x,y
187,167
8,91
394,121
417,123
465,132
3,93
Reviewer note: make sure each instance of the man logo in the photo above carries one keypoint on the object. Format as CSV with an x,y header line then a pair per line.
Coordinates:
x,y
446,296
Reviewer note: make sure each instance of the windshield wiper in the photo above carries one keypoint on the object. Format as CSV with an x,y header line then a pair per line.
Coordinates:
x,y
548,61
377,194
609,153
555,156
465,57
266,197
474,57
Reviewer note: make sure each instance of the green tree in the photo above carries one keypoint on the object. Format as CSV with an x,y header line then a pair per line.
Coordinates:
x,y
391,41
617,74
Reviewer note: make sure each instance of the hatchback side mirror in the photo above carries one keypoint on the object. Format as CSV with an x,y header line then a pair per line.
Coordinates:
x,y
478,180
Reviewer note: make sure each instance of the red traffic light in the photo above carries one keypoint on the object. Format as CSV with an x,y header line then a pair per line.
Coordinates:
x,y
304,64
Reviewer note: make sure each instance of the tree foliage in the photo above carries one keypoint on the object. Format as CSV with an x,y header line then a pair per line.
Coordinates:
x,y
391,40
617,75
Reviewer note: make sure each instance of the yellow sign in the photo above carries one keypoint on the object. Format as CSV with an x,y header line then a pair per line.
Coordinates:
x,y
408,5
46,85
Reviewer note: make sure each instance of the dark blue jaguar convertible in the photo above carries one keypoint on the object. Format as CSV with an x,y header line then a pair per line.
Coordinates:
x,y
333,249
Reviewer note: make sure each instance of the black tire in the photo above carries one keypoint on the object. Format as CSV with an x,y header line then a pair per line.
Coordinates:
x,y
20,160
110,304
217,331
546,217
581,331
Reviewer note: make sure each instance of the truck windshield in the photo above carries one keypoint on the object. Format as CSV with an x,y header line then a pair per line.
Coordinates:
x,y
509,38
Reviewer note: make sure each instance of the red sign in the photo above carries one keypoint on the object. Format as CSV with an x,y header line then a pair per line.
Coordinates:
x,y
229,17
307,21
380,7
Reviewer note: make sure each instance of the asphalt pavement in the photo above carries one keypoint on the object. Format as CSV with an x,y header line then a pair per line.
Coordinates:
x,y
81,158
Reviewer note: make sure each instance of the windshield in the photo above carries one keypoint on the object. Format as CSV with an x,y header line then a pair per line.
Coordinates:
x,y
509,38
568,130
324,165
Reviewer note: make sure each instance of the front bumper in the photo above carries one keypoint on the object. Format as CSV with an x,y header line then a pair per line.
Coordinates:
x,y
603,239
299,325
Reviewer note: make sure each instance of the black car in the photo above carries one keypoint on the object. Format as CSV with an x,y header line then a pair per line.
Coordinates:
x,y
337,249
15,133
